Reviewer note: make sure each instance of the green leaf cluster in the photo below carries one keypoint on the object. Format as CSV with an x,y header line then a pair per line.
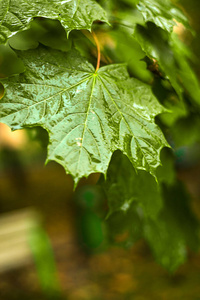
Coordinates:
x,y
102,119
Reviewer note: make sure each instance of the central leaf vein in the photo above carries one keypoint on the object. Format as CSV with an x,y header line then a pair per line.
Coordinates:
x,y
86,119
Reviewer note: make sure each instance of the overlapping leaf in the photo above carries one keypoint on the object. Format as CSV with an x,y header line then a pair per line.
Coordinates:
x,y
45,31
170,234
172,57
88,115
162,13
16,15
129,50
148,210
124,187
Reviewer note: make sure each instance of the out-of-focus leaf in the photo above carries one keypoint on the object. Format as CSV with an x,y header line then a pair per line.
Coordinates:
x,y
186,131
177,202
174,230
88,114
128,50
127,18
177,110
131,197
159,213
155,42
124,186
166,173
45,263
125,227
47,32
171,56
115,6
90,229
162,13
166,242
9,62
187,76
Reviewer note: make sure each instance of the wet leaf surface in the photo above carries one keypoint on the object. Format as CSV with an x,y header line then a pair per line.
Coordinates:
x,y
87,114
16,15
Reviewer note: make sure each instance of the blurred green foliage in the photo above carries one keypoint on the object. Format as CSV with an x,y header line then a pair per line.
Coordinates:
x,y
139,205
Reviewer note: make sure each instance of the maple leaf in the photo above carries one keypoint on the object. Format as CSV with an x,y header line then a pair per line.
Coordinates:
x,y
143,208
125,187
172,56
16,15
161,12
88,114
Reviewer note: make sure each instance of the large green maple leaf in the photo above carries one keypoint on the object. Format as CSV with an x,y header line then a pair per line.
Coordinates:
x,y
88,114
16,15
